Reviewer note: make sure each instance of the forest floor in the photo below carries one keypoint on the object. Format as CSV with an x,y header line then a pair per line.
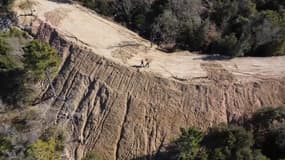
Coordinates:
x,y
115,42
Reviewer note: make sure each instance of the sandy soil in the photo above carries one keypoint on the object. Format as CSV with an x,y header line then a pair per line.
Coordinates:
x,y
123,46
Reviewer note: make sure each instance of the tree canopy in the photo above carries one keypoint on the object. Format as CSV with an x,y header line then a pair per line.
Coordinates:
x,y
229,27
18,69
262,138
39,58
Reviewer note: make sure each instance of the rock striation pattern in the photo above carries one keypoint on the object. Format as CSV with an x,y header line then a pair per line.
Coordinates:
x,y
123,113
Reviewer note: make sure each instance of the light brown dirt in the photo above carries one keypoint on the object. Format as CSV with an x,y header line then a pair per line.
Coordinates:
x,y
125,113
56,16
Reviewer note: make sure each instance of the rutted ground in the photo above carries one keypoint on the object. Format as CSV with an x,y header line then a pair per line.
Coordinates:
x,y
123,112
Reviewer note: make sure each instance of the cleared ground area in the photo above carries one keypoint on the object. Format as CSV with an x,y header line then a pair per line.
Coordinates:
x,y
121,45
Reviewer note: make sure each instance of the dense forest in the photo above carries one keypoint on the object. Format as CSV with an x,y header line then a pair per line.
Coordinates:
x,y
229,27
261,137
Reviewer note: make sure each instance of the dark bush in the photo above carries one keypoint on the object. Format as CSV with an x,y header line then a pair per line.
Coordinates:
x,y
5,146
265,137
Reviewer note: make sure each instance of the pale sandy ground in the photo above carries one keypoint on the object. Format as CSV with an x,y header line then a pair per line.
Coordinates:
x,y
121,45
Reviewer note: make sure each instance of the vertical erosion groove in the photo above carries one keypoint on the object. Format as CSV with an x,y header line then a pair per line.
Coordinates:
x,y
127,107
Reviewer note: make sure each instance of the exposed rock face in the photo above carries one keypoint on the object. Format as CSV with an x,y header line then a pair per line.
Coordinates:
x,y
123,113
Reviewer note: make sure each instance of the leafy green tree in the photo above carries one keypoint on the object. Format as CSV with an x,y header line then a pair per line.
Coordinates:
x,y
265,118
5,146
269,132
165,28
4,47
227,44
12,88
272,143
6,4
269,34
15,71
230,142
240,27
263,138
39,58
257,155
104,7
45,150
48,147
192,35
269,4
189,143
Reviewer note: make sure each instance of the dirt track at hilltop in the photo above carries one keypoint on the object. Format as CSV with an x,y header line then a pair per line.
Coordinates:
x,y
125,113
120,45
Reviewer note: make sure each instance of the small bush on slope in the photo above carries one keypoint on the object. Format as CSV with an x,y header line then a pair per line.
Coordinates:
x,y
39,58
48,147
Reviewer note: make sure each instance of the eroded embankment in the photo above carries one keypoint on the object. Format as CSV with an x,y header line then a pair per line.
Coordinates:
x,y
123,113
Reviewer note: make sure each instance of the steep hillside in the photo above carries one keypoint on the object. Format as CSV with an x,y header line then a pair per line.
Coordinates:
x,y
108,104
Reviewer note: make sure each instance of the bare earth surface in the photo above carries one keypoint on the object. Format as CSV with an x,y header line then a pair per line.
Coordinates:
x,y
115,42
106,103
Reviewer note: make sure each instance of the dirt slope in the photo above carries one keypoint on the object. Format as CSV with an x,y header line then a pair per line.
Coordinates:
x,y
123,112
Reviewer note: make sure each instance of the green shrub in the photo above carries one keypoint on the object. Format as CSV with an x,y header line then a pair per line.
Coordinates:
x,y
11,75
264,118
13,89
220,143
227,44
14,32
5,146
263,140
49,147
189,143
272,142
45,150
192,36
229,142
39,58
6,4
15,71
4,47
139,20
166,27
268,34
101,6
268,126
